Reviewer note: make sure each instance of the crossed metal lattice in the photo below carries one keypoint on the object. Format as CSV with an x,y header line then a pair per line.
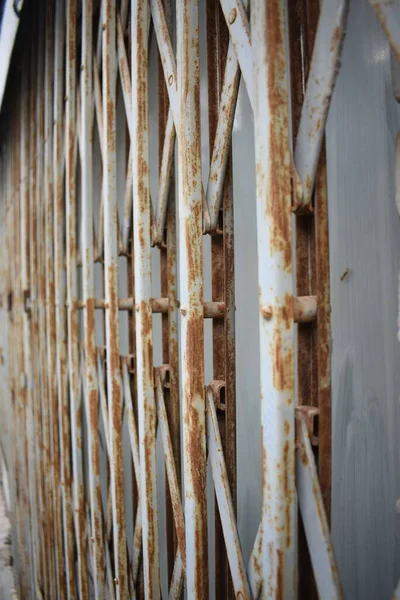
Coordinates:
x,y
72,538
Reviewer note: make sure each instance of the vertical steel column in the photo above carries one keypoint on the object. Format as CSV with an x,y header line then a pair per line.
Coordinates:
x,y
111,291
275,299
191,295
142,272
72,299
90,374
60,298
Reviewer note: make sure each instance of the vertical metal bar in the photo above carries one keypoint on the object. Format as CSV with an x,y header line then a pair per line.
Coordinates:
x,y
59,298
222,281
142,272
25,282
323,332
90,374
191,294
168,261
300,39
274,238
50,300
19,377
43,423
72,300
111,293
36,451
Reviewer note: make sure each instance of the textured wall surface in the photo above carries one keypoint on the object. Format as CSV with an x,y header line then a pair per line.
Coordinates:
x,y
365,238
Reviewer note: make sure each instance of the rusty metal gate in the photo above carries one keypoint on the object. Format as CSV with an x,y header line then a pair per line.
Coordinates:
x,y
102,174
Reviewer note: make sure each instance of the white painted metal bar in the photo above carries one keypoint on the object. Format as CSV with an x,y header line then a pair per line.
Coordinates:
x,y
109,64
225,506
388,14
72,299
59,298
314,519
166,55
50,302
42,423
175,589
143,306
254,567
171,469
239,30
90,370
26,329
320,84
276,322
191,296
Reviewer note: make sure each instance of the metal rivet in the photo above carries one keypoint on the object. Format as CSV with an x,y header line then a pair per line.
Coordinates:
x,y
267,311
183,311
103,27
170,80
232,16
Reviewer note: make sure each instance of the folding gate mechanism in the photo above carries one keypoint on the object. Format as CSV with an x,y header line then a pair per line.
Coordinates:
x,y
77,141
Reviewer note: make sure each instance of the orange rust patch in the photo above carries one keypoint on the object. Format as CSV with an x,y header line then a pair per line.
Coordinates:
x,y
279,182
287,491
335,39
283,375
279,575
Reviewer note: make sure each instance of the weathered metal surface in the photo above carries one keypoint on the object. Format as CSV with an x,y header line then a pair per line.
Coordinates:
x,y
90,374
191,297
74,157
111,289
320,84
225,504
274,232
314,519
72,291
142,273
388,14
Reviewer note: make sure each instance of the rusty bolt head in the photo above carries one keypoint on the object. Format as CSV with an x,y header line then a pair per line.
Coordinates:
x,y
183,311
116,581
170,79
267,312
103,27
232,16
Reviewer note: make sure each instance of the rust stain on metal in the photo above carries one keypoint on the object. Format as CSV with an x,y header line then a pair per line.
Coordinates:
x,y
283,358
279,186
